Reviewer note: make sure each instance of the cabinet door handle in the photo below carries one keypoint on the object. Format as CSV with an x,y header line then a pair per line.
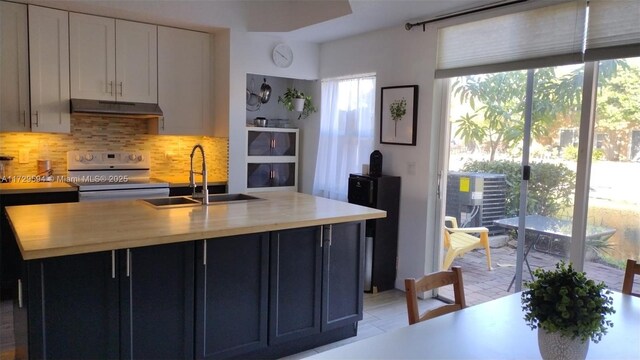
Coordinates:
x,y
121,88
111,87
330,233
37,116
128,263
321,235
204,253
113,264
20,293
162,119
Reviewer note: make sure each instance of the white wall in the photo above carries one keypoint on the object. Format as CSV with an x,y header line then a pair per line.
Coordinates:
x,y
400,57
250,53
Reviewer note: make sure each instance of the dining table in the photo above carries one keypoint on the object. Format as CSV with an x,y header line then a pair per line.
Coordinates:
x,y
495,329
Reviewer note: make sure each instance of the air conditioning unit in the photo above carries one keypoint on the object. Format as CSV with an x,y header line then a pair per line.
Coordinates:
x,y
477,199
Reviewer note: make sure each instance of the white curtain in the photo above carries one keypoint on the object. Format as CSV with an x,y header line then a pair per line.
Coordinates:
x,y
346,133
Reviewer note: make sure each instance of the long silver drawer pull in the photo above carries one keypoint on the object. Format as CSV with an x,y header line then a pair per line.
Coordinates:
x,y
128,262
37,118
330,233
321,235
113,264
20,293
204,255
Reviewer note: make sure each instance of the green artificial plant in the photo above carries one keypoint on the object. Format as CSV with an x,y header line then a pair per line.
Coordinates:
x,y
565,301
287,100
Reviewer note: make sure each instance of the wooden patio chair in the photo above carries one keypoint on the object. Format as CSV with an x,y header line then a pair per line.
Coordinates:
x,y
429,282
459,241
633,268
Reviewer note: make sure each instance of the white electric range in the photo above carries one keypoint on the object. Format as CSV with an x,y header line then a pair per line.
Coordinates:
x,y
113,175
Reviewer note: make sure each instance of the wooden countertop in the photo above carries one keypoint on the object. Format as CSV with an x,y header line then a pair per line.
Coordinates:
x,y
183,180
74,228
23,187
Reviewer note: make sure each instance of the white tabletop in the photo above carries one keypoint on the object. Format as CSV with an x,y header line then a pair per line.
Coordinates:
x,y
492,330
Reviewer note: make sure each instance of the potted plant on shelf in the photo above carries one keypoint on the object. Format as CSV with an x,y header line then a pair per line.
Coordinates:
x,y
568,310
295,100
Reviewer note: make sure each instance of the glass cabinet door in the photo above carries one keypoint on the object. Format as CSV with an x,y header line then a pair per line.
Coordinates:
x,y
284,174
259,143
284,144
258,175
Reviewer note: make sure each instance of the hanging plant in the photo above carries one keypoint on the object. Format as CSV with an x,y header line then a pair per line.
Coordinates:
x,y
295,100
398,109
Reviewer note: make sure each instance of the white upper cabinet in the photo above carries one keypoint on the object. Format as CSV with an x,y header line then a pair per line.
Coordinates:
x,y
137,61
93,58
113,59
184,77
14,68
49,69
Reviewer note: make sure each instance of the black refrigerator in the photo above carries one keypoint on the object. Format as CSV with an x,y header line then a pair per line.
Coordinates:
x,y
381,246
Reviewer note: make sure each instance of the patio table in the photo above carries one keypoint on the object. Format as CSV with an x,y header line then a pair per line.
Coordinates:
x,y
491,330
552,228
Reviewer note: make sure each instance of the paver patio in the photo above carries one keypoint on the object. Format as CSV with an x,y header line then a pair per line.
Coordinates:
x,y
482,285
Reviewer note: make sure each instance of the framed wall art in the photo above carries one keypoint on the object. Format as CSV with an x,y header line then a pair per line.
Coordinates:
x,y
399,114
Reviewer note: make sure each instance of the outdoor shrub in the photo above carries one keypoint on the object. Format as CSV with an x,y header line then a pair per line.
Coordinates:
x,y
550,187
570,153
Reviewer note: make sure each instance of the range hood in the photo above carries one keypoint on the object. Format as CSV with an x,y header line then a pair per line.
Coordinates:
x,y
114,108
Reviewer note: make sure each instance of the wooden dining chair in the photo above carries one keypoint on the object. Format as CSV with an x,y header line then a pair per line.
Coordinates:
x,y
633,268
429,282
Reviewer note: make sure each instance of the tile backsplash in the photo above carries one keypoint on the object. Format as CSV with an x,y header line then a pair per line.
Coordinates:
x,y
169,154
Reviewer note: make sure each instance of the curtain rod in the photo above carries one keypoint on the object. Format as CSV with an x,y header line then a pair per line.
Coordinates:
x,y
409,26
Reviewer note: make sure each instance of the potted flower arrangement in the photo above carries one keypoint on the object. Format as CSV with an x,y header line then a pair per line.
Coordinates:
x,y
568,310
295,100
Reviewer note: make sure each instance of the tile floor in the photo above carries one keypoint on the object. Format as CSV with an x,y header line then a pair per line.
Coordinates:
x,y
383,312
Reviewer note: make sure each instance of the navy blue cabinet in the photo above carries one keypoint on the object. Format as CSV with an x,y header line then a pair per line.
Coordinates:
x,y
316,280
296,274
343,274
135,303
261,295
157,301
73,307
231,295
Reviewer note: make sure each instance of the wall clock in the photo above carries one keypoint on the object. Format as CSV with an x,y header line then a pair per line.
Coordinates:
x,y
282,55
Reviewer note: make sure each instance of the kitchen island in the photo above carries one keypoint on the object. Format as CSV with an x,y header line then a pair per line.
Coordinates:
x,y
262,278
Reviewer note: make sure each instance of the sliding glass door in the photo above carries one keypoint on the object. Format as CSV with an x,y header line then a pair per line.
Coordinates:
x,y
495,133
614,199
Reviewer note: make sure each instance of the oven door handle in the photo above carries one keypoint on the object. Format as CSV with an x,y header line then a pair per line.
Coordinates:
x,y
122,194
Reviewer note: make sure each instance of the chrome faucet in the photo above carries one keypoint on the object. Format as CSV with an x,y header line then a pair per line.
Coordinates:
x,y
204,195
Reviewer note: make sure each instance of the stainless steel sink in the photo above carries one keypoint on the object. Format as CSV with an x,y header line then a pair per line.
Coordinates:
x,y
218,198
175,201
184,201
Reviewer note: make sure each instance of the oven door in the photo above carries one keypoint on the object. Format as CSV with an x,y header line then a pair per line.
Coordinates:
x,y
124,194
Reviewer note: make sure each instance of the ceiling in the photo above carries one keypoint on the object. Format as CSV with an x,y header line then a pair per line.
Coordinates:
x,y
315,21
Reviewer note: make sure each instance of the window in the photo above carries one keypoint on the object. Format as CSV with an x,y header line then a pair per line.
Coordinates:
x,y
346,133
